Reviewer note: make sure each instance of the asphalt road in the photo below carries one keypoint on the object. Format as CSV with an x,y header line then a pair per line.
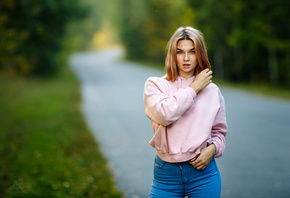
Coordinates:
x,y
257,157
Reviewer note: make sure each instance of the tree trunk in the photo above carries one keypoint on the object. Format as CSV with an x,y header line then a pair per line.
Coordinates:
x,y
218,61
273,66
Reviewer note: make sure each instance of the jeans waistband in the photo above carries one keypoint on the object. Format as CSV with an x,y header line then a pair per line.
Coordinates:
x,y
173,163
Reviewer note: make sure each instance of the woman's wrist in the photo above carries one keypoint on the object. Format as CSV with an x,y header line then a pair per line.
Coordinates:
x,y
213,148
195,88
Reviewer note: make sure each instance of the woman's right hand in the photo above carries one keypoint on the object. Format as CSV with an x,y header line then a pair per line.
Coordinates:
x,y
201,80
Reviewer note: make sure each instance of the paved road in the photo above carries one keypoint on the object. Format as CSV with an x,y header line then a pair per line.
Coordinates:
x,y
257,157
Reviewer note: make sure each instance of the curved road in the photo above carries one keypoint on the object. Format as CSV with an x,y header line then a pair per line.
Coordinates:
x,y
257,157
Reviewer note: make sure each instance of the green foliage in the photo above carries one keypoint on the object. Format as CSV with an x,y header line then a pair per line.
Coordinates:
x,y
45,147
250,38
32,33
246,40
146,26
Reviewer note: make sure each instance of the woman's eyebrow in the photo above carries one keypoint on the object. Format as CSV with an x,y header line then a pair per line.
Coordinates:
x,y
188,50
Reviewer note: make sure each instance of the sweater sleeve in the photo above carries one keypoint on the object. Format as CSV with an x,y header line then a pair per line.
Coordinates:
x,y
219,129
161,108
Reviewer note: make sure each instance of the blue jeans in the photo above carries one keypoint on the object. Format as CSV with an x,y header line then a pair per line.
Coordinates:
x,y
177,180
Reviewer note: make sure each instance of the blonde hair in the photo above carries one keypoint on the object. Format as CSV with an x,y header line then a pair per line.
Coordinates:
x,y
185,33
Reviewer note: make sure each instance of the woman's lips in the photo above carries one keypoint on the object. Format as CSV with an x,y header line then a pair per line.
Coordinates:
x,y
186,65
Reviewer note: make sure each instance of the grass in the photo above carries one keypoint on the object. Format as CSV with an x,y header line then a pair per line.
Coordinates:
x,y
45,148
255,88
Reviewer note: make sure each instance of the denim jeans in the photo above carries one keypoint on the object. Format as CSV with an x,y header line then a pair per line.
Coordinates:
x,y
177,180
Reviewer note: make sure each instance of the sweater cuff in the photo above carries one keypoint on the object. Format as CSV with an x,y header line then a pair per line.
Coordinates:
x,y
191,91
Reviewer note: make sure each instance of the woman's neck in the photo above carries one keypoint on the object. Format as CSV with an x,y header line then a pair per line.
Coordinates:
x,y
186,76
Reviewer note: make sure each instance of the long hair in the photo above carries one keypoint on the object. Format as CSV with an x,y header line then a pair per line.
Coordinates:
x,y
185,33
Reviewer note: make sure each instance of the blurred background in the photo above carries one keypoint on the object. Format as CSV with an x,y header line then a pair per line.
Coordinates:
x,y
46,149
246,41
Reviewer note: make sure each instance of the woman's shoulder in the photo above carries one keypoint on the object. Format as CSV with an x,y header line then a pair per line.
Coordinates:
x,y
157,80
212,88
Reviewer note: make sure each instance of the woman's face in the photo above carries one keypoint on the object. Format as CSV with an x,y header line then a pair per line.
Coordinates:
x,y
186,58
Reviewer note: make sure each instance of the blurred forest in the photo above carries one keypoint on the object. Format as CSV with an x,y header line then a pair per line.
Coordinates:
x,y
38,35
247,41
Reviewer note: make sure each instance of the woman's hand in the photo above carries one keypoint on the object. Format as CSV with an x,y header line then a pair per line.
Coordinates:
x,y
201,80
203,159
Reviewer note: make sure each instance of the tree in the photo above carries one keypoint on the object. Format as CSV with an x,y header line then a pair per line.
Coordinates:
x,y
32,31
252,37
146,26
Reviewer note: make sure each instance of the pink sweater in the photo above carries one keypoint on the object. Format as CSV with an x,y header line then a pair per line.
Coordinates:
x,y
184,122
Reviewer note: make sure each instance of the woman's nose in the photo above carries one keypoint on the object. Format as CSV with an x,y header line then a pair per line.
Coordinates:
x,y
186,57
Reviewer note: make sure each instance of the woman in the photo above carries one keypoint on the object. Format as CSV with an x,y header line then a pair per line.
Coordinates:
x,y
187,114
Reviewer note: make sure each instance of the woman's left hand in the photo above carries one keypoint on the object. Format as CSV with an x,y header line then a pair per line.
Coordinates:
x,y
201,161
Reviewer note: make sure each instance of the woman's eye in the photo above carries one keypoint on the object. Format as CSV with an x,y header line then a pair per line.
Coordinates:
x,y
192,52
179,52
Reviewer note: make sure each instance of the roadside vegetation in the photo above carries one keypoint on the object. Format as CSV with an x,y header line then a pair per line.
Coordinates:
x,y
262,89
45,148
247,41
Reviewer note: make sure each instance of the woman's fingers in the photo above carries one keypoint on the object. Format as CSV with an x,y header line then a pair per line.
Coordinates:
x,y
203,159
198,165
202,80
